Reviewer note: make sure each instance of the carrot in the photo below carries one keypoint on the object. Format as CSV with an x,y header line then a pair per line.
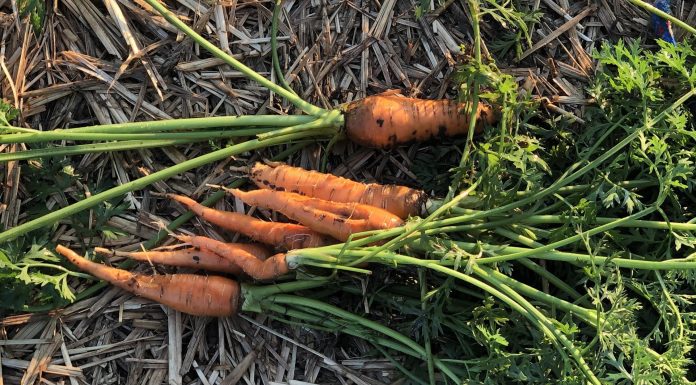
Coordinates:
x,y
193,257
189,293
339,220
398,200
269,268
287,236
387,120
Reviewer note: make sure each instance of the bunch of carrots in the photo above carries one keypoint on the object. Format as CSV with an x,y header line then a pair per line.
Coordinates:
x,y
328,209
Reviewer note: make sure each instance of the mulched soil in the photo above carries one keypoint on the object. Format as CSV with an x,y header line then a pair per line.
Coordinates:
x,y
115,61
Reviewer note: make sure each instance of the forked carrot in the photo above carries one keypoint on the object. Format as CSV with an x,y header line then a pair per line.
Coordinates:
x,y
398,200
269,268
189,293
193,257
287,236
339,220
387,120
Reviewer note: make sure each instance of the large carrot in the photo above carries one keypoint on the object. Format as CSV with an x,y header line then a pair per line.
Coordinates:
x,y
387,120
339,220
256,268
287,236
189,293
194,257
398,200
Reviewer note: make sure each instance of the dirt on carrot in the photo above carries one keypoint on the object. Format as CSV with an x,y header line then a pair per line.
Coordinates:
x,y
257,268
398,200
198,295
192,257
387,120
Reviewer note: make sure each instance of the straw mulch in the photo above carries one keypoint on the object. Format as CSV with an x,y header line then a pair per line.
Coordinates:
x,y
115,61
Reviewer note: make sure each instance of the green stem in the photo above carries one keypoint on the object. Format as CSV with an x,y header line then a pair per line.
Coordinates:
x,y
188,124
330,325
140,183
340,313
274,47
567,344
90,136
588,315
433,265
408,231
422,280
501,251
87,149
18,129
333,118
651,8
252,296
565,180
248,72
660,225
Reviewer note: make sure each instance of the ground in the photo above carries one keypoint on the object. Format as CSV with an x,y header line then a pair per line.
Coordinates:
x,y
81,70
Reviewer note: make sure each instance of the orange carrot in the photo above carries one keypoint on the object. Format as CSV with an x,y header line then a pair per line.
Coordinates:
x,y
287,236
398,200
387,120
256,268
339,220
192,294
193,257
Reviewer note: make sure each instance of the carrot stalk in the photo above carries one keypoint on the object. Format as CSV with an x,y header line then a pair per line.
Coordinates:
x,y
398,200
261,269
188,293
193,257
339,220
384,121
287,236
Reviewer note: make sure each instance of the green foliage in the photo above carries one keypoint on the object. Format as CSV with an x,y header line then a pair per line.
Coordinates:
x,y
35,10
628,326
515,23
29,270
7,113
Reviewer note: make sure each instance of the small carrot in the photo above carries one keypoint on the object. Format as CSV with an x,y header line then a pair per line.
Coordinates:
x,y
261,269
287,236
193,257
398,200
387,120
189,293
339,220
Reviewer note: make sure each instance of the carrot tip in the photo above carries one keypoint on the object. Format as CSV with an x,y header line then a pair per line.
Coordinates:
x,y
103,251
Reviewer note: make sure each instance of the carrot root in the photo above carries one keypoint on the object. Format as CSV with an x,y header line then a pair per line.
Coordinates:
x,y
339,220
188,293
269,268
287,236
193,257
385,121
398,200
